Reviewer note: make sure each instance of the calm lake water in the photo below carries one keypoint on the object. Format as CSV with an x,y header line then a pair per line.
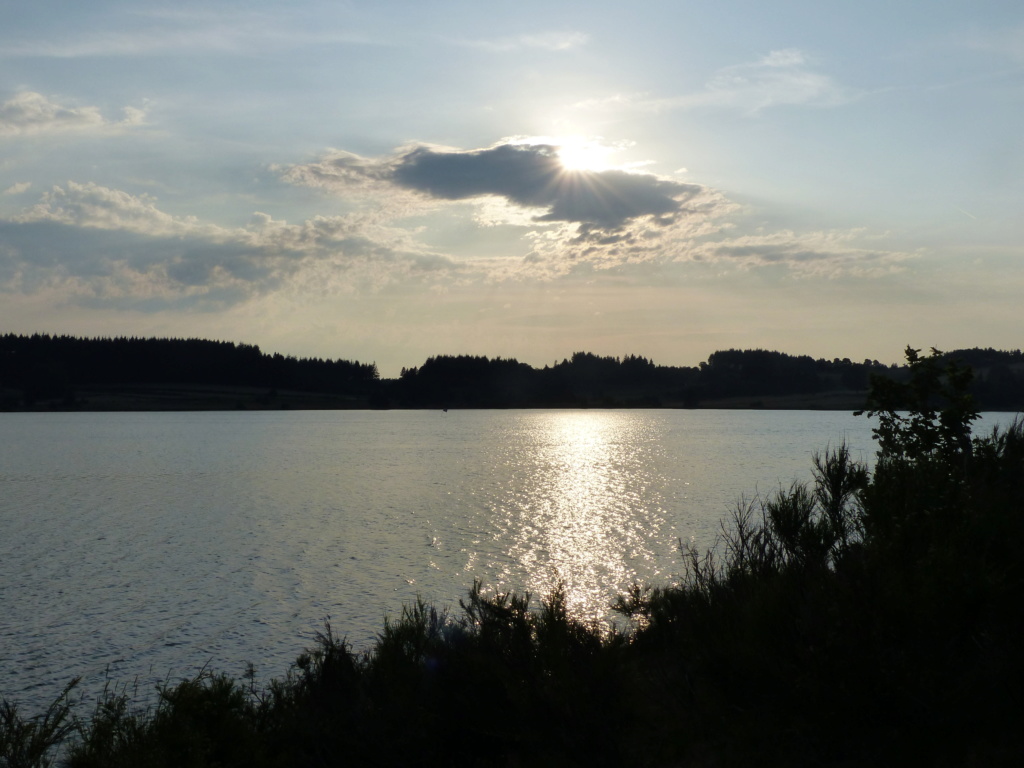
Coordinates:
x,y
143,546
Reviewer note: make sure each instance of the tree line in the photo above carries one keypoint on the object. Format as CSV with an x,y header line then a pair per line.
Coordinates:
x,y
43,369
734,377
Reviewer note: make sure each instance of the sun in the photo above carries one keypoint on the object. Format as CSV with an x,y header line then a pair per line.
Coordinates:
x,y
577,153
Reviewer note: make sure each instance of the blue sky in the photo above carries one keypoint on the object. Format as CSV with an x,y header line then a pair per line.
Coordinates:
x,y
392,180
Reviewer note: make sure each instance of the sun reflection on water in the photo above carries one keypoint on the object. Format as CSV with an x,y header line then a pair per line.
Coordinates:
x,y
576,523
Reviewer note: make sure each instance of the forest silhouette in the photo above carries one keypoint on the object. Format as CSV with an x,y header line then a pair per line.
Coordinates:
x,y
62,372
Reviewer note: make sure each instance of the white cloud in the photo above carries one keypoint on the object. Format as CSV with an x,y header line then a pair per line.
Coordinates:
x,y
787,57
829,253
706,240
781,78
133,116
30,113
548,41
110,245
140,31
1007,42
17,189
94,206
560,250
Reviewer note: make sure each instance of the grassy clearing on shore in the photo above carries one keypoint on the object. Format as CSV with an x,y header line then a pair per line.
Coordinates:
x,y
862,619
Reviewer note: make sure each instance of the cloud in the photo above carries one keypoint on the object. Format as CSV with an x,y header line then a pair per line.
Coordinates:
x,y
827,253
105,247
591,219
30,113
529,176
567,220
109,246
548,41
706,240
97,207
159,30
781,78
1006,42
144,30
559,250
17,189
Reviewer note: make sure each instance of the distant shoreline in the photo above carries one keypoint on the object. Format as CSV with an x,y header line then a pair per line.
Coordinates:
x,y
176,397
47,373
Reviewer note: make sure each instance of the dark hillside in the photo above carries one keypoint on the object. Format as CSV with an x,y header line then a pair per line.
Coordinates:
x,y
57,370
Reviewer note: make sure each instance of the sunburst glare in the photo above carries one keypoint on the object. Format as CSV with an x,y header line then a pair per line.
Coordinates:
x,y
576,153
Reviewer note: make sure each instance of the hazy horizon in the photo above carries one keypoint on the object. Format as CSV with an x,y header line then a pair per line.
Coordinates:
x,y
393,181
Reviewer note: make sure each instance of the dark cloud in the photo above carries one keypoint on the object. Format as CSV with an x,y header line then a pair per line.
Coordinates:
x,y
531,175
611,198
526,175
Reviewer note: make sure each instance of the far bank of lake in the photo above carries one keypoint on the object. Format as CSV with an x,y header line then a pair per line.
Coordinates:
x,y
181,397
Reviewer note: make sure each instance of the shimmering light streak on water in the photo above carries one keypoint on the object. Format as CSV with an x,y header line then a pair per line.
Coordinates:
x,y
576,524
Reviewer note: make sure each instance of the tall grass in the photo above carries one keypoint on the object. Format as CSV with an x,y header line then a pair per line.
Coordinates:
x,y
33,742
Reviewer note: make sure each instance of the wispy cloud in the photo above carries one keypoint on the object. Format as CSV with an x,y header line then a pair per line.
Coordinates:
x,y
781,78
828,253
144,32
548,41
1006,42
30,113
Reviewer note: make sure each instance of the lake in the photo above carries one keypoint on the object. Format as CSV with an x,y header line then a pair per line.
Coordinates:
x,y
139,547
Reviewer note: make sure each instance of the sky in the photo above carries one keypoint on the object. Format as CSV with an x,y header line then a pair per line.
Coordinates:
x,y
392,180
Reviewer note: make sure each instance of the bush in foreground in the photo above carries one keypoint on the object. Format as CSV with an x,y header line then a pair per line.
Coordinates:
x,y
867,618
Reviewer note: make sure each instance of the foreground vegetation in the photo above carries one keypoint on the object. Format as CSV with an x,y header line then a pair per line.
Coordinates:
x,y
867,618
